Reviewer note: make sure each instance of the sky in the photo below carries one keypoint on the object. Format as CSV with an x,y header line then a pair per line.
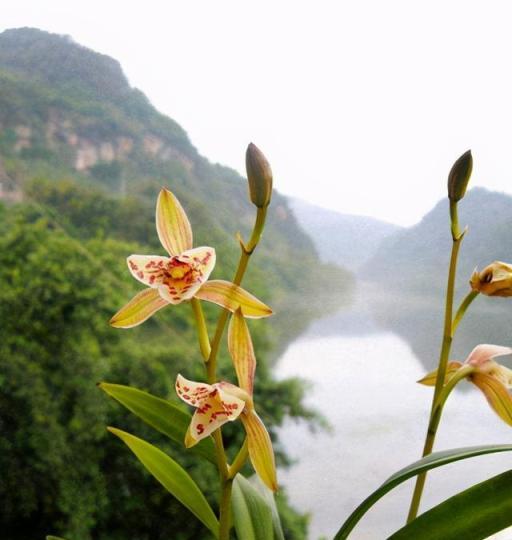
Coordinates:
x,y
361,107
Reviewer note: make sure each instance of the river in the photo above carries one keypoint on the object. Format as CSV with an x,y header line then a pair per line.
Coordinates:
x,y
363,377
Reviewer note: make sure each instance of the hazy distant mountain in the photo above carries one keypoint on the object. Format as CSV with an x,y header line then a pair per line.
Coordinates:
x,y
417,257
343,239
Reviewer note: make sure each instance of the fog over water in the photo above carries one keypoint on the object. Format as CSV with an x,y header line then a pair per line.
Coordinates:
x,y
363,363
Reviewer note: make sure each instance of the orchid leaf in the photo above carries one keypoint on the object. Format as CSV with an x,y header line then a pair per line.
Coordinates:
x,y
473,514
437,459
138,309
54,538
172,476
233,297
159,414
252,516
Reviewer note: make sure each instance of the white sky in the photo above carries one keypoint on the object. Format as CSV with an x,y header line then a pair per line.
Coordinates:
x,y
360,106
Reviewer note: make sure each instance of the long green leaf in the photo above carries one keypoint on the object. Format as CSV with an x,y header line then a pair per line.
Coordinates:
x,y
54,538
172,476
437,459
252,516
160,414
474,514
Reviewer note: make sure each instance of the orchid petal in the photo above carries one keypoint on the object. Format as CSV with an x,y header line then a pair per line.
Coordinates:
x,y
503,374
260,449
430,378
483,353
215,406
192,392
172,224
496,393
232,297
186,273
138,309
148,269
242,351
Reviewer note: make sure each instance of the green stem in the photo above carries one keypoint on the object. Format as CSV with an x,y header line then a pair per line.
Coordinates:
x,y
202,332
462,309
239,460
247,251
227,473
225,509
435,413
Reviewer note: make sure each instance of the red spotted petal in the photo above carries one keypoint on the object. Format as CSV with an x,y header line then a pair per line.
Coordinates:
x,y
148,269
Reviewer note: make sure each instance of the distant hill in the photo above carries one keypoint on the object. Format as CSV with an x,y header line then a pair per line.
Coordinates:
x,y
69,112
417,258
343,239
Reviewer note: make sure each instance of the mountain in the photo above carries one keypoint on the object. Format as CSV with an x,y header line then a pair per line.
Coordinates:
x,y
416,258
343,239
69,112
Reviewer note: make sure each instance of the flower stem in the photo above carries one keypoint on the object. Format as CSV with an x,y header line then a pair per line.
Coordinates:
x,y
247,251
239,460
462,309
225,509
435,412
202,332
227,473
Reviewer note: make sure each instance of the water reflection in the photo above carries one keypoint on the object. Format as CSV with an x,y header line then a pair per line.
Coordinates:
x,y
363,363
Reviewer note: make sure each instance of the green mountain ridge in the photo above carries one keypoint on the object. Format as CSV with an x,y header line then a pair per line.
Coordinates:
x,y
69,112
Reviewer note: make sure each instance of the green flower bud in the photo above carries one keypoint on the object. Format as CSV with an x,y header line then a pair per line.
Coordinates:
x,y
259,175
459,177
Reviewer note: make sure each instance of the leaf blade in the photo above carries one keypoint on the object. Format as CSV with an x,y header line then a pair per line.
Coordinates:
x,y
172,476
475,521
159,414
252,516
436,459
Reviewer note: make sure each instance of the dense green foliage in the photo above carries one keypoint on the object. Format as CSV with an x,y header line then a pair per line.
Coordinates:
x,y
64,473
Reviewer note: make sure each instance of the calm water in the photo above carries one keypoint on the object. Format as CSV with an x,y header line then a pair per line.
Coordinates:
x,y
363,376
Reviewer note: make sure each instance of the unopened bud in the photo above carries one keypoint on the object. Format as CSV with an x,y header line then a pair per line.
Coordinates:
x,y
459,177
493,280
259,175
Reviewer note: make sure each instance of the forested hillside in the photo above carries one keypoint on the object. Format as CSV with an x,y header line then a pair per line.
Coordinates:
x,y
82,157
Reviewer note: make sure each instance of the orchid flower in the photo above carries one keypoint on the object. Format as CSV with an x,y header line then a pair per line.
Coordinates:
x,y
491,378
180,276
224,402
494,280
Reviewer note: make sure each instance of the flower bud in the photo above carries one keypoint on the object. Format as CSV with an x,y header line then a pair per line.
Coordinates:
x,y
459,177
259,175
493,280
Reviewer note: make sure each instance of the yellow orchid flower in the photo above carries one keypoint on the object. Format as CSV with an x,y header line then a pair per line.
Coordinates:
x,y
494,280
491,378
180,276
224,402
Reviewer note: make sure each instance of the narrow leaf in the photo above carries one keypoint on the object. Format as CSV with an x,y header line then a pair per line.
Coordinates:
x,y
172,224
231,296
160,414
242,351
252,516
437,459
172,476
138,309
473,514
54,538
497,395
